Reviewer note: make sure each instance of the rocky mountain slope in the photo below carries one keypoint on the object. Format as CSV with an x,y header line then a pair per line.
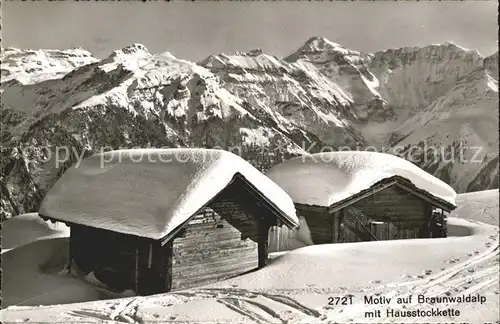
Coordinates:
x,y
450,111
67,104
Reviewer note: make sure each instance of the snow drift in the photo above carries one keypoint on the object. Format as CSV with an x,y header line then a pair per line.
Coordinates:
x,y
27,228
480,206
149,192
327,178
34,274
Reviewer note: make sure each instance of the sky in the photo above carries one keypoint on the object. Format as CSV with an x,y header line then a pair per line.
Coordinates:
x,y
194,30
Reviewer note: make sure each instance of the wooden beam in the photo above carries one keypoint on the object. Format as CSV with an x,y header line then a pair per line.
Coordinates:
x,y
426,229
71,247
263,243
444,225
335,226
150,256
137,270
168,255
340,221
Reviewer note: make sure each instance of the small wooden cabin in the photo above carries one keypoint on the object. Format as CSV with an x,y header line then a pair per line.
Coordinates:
x,y
226,236
392,208
389,210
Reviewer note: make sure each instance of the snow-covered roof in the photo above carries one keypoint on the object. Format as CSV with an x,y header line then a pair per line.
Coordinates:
x,y
149,192
327,178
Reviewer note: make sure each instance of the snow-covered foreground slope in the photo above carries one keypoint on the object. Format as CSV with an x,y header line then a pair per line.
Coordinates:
x,y
295,286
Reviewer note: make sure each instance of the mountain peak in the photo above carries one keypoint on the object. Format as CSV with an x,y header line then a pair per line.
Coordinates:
x,y
253,52
321,46
131,53
452,44
318,39
321,43
135,48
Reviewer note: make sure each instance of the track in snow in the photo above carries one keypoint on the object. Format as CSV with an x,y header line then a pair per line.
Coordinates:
x,y
470,276
277,306
120,312
259,307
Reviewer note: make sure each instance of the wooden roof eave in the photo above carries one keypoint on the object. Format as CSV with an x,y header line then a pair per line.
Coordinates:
x,y
70,224
357,197
252,190
270,204
440,203
386,183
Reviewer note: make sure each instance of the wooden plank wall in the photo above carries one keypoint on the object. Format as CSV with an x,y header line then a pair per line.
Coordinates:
x,y
406,213
280,238
215,247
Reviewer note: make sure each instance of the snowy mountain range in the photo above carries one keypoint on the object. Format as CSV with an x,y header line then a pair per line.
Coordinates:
x,y
322,96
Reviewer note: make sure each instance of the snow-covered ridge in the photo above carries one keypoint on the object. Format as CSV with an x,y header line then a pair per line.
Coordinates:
x,y
323,49
463,121
252,62
416,76
26,66
327,178
150,192
131,78
454,89
292,93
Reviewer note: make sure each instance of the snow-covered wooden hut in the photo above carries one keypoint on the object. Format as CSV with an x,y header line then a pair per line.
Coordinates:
x,y
154,220
363,196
